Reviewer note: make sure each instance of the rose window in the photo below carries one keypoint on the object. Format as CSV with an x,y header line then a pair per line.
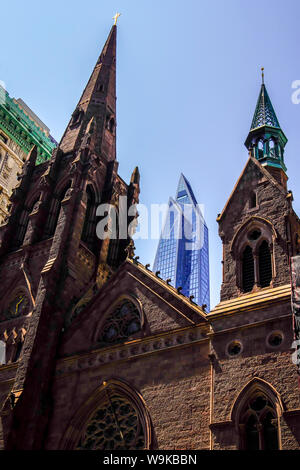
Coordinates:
x,y
122,323
115,425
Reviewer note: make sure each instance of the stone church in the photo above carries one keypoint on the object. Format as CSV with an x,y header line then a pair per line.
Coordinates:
x,y
100,352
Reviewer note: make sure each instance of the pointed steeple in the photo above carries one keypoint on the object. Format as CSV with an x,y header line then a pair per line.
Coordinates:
x,y
98,101
266,140
264,114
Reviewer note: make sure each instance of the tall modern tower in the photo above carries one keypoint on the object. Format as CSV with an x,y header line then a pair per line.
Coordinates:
x,y
182,253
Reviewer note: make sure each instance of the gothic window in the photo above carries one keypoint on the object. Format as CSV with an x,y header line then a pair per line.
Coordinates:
x,y
252,248
89,226
24,221
258,424
122,323
76,117
265,265
248,269
253,200
260,149
115,425
111,124
254,235
55,210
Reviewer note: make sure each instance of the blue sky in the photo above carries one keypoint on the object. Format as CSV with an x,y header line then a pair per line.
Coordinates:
x,y
188,79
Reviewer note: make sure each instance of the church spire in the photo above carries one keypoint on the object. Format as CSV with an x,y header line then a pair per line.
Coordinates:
x,y
266,140
264,114
98,101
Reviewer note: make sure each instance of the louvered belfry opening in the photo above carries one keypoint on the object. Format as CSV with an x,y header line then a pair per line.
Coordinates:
x,y
265,265
248,270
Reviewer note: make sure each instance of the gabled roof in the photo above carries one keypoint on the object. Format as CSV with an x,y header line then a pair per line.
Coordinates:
x,y
265,172
187,311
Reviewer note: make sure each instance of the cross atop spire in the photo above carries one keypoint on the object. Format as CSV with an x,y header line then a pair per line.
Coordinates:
x,y
116,17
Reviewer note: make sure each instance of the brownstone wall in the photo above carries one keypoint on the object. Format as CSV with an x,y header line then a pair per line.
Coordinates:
x,y
175,385
258,359
273,206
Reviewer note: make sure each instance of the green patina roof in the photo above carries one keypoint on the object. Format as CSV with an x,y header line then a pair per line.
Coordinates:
x,y
266,139
22,130
264,114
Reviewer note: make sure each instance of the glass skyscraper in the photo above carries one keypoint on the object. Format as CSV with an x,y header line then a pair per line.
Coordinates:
x,y
182,253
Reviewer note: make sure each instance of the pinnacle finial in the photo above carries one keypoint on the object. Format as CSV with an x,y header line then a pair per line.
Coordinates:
x,y
117,15
262,75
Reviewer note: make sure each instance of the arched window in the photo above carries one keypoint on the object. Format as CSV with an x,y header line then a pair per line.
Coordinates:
x,y
55,210
115,425
265,265
248,269
114,417
24,221
89,226
122,323
111,124
253,200
76,117
258,424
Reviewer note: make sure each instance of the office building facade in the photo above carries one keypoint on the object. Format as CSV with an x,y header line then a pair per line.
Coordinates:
x,y
182,254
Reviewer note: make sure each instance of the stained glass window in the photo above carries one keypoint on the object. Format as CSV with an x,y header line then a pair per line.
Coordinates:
x,y
123,322
115,425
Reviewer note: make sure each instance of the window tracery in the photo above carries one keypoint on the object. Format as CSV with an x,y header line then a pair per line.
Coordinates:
x,y
115,425
252,247
122,323
258,424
